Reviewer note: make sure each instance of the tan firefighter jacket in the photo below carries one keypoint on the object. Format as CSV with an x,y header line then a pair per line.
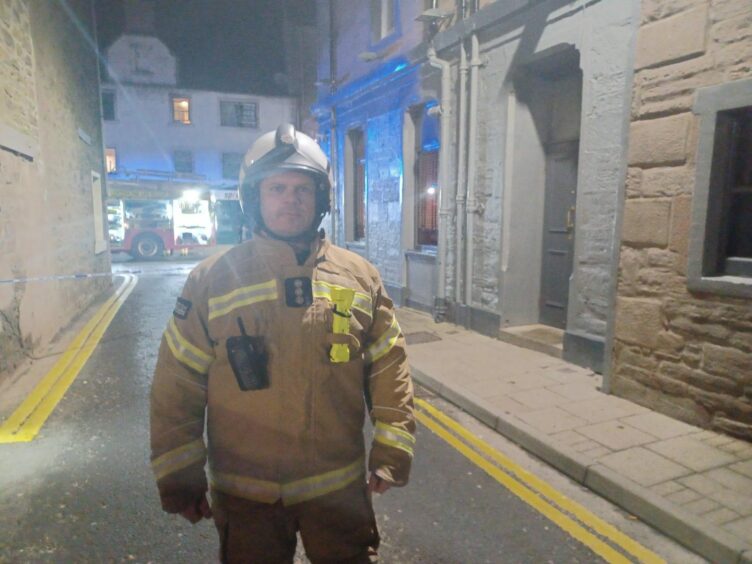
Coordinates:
x,y
329,335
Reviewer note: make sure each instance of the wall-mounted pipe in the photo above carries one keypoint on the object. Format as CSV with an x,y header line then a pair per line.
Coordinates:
x,y
461,177
446,195
472,205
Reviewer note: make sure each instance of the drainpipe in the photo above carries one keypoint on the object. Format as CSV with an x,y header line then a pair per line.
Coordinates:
x,y
472,205
461,187
333,140
333,162
445,204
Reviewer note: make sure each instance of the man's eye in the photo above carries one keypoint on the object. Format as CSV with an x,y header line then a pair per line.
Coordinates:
x,y
305,189
277,188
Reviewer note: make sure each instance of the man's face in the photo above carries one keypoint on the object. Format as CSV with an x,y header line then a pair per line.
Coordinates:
x,y
288,203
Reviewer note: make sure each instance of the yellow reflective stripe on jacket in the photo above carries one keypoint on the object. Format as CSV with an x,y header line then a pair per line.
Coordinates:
x,y
384,343
184,351
290,492
343,300
247,295
328,482
394,437
361,301
178,458
245,487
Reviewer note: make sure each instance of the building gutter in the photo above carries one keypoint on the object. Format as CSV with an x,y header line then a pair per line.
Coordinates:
x,y
461,177
472,205
444,184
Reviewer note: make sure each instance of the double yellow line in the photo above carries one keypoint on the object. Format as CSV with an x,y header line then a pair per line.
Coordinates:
x,y
26,421
587,528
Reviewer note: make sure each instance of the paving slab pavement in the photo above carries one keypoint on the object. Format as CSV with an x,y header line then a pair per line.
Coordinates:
x,y
691,484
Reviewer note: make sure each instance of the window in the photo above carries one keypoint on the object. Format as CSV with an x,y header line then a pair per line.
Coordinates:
x,y
181,110
731,179
356,173
720,246
427,164
238,114
182,161
108,106
426,172
231,165
382,19
110,159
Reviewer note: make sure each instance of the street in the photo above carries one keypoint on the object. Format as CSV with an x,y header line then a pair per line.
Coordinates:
x,y
82,490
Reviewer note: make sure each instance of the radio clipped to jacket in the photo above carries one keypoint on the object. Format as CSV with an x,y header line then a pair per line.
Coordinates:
x,y
248,359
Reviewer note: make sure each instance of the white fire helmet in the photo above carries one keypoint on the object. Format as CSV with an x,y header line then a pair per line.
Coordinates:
x,y
284,150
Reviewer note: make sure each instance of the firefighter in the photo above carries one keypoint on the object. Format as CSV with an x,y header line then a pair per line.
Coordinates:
x,y
279,347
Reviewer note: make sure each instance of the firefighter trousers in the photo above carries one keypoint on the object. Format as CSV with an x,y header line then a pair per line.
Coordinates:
x,y
338,527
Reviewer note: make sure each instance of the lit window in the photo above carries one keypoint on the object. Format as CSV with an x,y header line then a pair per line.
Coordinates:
x,y
382,19
238,114
182,161
181,110
426,127
110,159
427,198
231,165
357,173
108,106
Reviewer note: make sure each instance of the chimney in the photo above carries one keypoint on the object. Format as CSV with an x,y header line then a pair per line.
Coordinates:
x,y
139,17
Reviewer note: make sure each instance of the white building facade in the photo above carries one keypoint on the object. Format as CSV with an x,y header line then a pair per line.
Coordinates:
x,y
160,135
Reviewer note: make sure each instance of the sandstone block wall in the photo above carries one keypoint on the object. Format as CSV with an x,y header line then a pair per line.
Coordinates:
x,y
686,354
49,97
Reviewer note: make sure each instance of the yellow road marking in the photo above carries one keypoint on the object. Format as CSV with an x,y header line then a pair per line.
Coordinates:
x,y
27,420
527,484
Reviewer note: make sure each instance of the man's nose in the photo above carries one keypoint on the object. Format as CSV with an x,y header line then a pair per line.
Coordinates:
x,y
290,195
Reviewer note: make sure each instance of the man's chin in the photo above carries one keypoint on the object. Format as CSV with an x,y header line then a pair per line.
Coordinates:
x,y
293,235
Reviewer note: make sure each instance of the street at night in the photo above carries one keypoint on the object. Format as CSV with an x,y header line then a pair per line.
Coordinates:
x,y
290,280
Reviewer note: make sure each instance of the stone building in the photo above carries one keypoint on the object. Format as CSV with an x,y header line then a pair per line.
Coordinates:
x,y
51,173
683,329
479,149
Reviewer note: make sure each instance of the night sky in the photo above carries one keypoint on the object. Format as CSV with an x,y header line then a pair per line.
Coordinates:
x,y
226,45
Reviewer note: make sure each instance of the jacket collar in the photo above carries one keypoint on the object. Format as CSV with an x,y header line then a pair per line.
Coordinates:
x,y
282,252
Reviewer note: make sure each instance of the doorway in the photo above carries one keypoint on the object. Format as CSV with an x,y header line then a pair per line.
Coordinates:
x,y
558,231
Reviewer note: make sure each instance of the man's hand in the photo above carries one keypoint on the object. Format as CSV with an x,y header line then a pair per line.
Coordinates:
x,y
198,510
377,485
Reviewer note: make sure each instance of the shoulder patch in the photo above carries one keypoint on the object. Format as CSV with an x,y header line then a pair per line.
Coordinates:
x,y
182,308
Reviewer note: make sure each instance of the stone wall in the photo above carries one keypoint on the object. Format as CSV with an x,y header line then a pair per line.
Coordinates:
x,y
686,354
50,143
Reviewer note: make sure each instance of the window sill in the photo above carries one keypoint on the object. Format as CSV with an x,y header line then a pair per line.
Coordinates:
x,y
724,285
422,255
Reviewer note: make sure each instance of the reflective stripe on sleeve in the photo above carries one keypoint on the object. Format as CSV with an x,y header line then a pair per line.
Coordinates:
x,y
184,351
384,343
361,301
247,295
394,437
178,458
